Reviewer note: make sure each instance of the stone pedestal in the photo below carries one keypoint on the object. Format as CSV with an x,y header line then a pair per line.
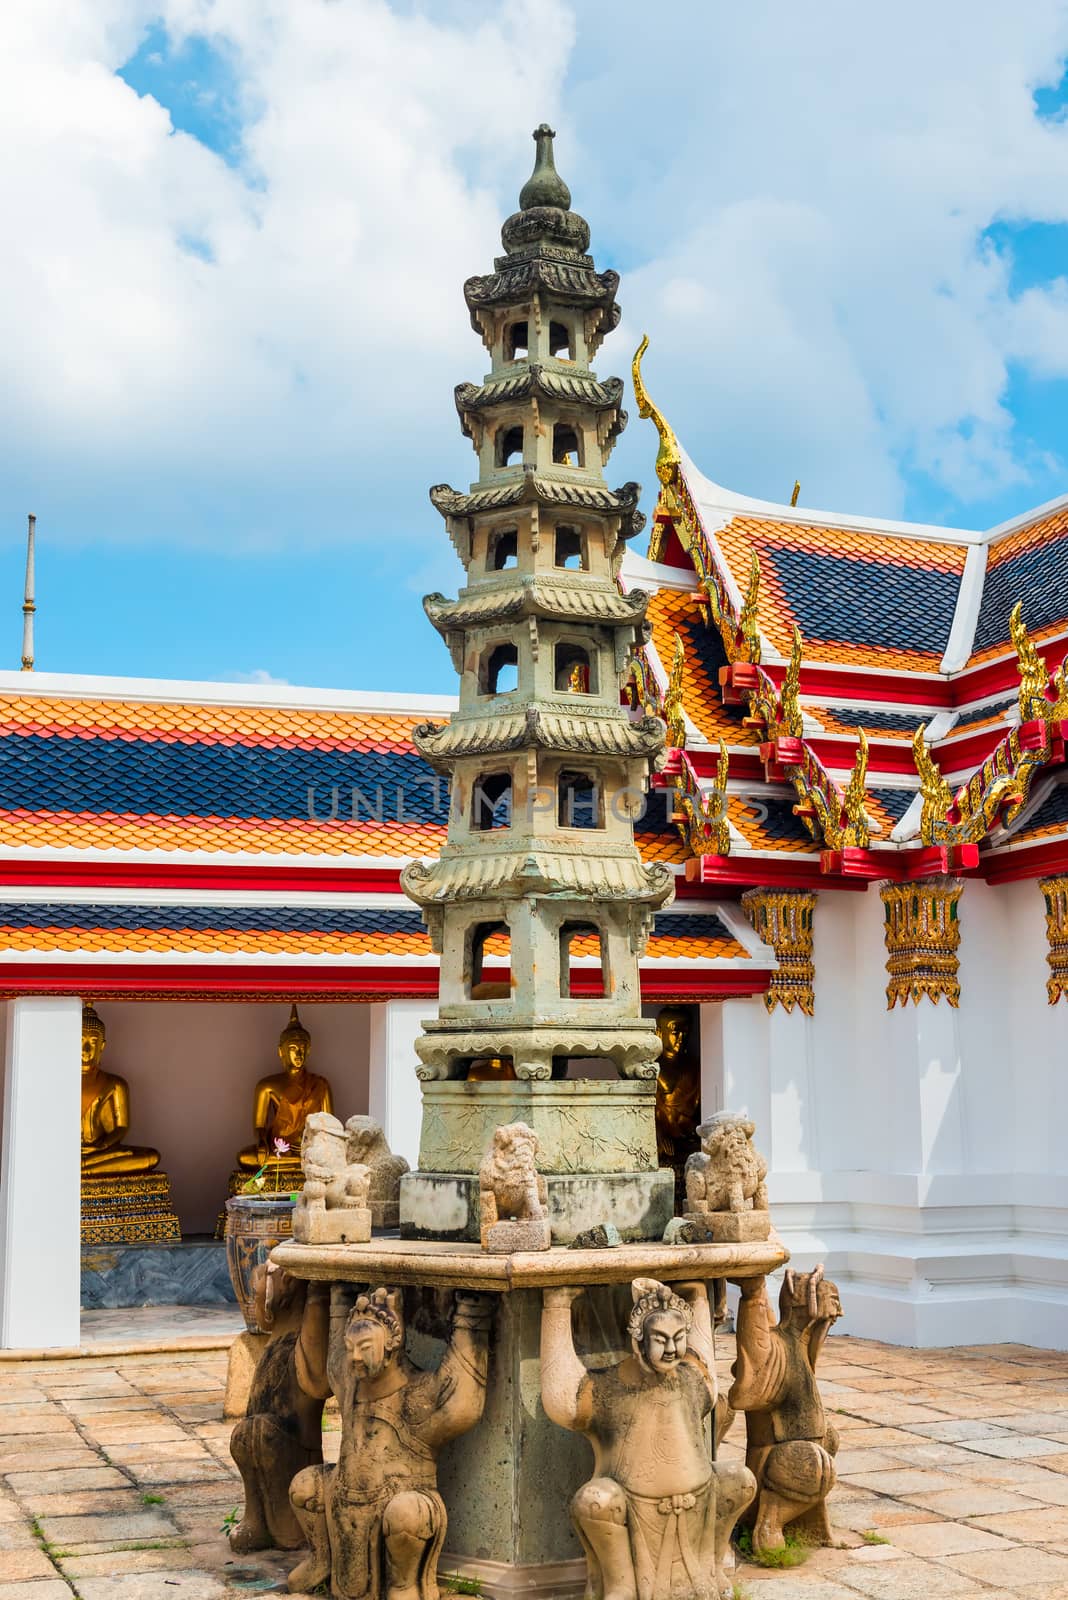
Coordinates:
x,y
245,1353
596,1152
508,1483
128,1210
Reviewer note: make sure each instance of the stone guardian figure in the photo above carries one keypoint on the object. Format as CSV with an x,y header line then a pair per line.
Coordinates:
x,y
656,1517
376,1522
281,1432
790,1445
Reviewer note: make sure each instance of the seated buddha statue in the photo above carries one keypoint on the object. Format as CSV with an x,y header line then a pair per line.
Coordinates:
x,y
284,1102
678,1089
106,1111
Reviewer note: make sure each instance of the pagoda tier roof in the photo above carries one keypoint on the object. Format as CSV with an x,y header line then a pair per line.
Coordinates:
x,y
564,275
538,728
548,382
529,486
535,596
513,873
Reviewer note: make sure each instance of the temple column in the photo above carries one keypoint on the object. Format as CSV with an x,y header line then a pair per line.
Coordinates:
x,y
394,1097
40,1174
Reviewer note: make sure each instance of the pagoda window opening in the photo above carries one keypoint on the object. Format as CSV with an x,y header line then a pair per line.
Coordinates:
x,y
571,551
499,673
579,801
582,939
509,446
574,672
567,446
503,550
491,802
490,944
516,342
561,344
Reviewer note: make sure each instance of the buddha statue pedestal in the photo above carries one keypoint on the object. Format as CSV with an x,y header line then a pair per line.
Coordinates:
x,y
126,1199
128,1208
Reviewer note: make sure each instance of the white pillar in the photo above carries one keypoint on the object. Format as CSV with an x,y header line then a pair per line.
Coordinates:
x,y
744,1043
394,1092
40,1175
790,1142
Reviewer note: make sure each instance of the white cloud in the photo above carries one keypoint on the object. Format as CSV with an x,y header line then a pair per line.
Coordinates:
x,y
264,354
257,675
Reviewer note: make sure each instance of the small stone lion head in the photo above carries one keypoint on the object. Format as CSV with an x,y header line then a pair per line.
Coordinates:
x,y
322,1146
735,1169
365,1141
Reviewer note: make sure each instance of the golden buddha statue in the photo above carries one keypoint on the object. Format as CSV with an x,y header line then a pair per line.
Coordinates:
x,y
284,1102
106,1111
491,1069
678,1089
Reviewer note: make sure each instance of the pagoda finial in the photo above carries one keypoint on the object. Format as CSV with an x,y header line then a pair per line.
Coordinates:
x,y
544,187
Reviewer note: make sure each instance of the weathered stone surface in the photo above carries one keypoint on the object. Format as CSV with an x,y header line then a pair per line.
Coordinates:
x,y
734,1227
511,1192
349,1226
245,1353
656,1518
602,1237
584,1125
438,1205
366,1146
790,1445
727,1173
507,1238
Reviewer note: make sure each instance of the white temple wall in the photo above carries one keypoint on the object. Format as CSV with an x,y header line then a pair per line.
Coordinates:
x,y
918,1152
193,1067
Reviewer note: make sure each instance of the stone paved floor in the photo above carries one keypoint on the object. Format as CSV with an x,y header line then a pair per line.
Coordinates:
x,y
115,1479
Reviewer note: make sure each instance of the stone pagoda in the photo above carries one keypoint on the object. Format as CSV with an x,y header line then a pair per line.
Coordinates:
x,y
540,904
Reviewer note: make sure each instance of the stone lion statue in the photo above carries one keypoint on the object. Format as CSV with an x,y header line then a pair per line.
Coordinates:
x,y
727,1173
510,1187
365,1145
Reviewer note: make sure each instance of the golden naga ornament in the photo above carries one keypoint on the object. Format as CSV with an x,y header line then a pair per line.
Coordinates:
x,y
922,932
1055,893
676,725
669,454
702,818
783,919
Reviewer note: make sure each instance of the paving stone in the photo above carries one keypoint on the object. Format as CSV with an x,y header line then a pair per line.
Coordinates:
x,y
904,1481
972,1500
1013,1567
25,1564
945,1538
910,1579
1043,1525
952,1429
58,1482
104,1529
47,1460
1014,1447
84,1502
182,1472
181,1449
172,1584
100,1564
39,1589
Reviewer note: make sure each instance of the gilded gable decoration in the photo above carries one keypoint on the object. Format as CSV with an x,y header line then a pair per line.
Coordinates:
x,y
783,919
922,932
1055,893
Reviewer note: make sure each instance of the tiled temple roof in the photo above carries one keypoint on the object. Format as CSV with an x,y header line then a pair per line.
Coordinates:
x,y
193,784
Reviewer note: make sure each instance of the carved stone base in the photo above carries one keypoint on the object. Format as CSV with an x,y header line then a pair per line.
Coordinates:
x,y
534,1580
733,1227
584,1125
509,1238
346,1225
445,1205
135,1209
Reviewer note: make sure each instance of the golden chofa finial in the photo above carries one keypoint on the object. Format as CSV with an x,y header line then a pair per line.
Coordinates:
x,y
797,491
28,604
667,457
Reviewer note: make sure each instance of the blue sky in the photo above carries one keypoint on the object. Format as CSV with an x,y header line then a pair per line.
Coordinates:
x,y
234,314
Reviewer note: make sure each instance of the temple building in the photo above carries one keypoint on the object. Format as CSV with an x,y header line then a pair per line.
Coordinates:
x,y
862,815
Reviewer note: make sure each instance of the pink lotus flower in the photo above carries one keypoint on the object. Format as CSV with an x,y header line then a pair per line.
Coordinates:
x,y
281,1147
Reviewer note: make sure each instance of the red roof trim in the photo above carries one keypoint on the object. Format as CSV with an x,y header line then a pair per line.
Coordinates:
x,y
193,875
251,982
